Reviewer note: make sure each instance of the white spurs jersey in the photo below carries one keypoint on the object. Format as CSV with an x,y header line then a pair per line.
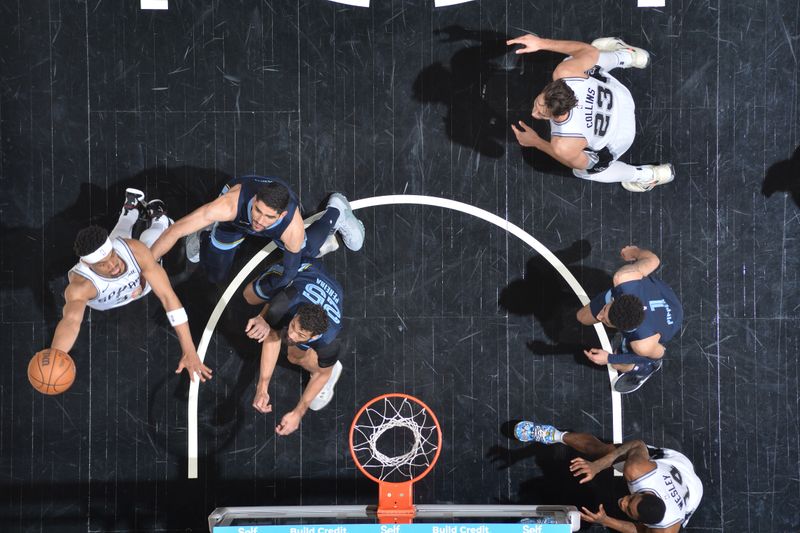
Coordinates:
x,y
115,292
602,101
675,482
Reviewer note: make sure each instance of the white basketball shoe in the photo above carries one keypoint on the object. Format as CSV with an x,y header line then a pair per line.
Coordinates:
x,y
641,57
661,174
326,394
349,227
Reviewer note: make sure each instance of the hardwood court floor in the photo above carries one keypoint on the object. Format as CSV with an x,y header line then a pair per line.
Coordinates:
x,y
399,98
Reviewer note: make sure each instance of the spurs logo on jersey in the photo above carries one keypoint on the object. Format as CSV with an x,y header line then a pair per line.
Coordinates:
x,y
675,482
114,292
596,116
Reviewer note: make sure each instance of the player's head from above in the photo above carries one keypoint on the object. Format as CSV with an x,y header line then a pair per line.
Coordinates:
x,y
644,507
555,100
626,313
95,250
269,205
310,321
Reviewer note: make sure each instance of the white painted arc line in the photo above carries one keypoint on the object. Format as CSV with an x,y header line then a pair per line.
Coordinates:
x,y
397,199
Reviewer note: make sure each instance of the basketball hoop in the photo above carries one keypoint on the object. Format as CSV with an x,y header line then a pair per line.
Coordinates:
x,y
395,440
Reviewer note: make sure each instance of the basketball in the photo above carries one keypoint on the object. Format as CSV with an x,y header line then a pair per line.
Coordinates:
x,y
51,371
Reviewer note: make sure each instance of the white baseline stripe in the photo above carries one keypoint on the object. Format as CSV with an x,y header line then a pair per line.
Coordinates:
x,y
396,199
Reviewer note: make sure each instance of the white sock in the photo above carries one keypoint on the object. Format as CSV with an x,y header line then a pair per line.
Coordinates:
x,y
125,224
157,227
619,58
618,171
558,436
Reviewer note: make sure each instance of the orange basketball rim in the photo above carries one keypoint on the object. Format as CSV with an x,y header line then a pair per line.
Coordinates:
x,y
395,440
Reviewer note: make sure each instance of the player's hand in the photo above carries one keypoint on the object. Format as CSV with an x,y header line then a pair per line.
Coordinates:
x,y
138,290
594,518
257,328
530,43
261,402
194,367
289,423
597,356
581,467
630,253
526,136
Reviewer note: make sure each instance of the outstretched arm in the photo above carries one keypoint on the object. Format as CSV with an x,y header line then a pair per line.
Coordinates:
x,y
583,56
566,150
319,376
293,239
270,349
641,264
77,294
220,210
155,275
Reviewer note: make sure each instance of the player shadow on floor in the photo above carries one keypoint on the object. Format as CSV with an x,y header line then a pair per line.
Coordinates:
x,y
181,188
554,483
475,86
784,176
544,294
234,357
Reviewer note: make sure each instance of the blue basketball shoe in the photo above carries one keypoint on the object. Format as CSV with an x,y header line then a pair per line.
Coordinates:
x,y
531,432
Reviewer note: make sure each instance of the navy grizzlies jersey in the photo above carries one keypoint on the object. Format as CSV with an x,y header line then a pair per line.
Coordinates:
x,y
312,285
663,312
228,234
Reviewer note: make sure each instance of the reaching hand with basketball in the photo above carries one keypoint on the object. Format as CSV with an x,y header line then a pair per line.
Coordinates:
x,y
261,401
194,366
257,328
581,467
289,423
51,371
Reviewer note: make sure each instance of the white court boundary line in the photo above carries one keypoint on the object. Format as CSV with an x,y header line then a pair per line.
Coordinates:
x,y
395,199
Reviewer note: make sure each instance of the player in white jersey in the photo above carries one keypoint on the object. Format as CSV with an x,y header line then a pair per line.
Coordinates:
x,y
592,115
664,489
115,270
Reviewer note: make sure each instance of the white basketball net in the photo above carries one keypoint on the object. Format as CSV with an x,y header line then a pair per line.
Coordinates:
x,y
388,414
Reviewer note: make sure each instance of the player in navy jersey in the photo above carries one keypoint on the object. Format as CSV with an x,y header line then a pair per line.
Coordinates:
x,y
644,309
306,315
264,207
664,489
592,115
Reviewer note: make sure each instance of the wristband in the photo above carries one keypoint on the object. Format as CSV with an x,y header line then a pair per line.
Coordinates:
x,y
177,317
627,359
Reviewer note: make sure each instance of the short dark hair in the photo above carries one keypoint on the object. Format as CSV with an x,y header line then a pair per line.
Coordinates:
x,y
313,319
626,312
651,509
274,195
558,97
89,239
